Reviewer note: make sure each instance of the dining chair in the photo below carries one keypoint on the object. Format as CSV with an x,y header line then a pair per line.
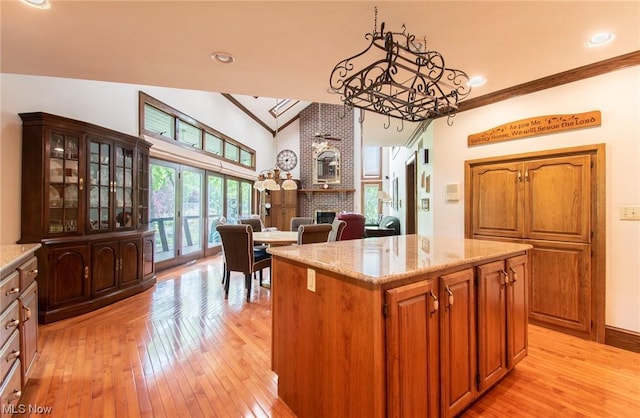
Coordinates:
x,y
308,234
256,224
240,256
337,226
297,221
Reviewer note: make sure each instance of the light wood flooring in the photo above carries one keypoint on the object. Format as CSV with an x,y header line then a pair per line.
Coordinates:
x,y
181,350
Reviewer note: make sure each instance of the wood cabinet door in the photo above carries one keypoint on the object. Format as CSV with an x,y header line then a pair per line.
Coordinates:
x,y
28,328
561,286
148,252
498,207
412,350
69,275
130,262
517,312
457,342
558,198
105,272
492,324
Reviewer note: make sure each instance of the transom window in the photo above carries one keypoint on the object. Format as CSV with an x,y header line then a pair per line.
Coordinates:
x,y
161,121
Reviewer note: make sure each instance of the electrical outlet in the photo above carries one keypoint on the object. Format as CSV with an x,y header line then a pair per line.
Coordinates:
x,y
311,280
630,213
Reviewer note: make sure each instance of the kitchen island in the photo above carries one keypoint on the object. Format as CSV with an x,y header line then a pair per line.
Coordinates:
x,y
399,326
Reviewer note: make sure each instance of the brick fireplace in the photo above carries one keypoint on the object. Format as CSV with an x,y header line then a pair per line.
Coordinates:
x,y
313,198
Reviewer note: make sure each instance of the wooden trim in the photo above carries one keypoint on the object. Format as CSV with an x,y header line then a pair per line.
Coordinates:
x,y
257,119
622,338
591,70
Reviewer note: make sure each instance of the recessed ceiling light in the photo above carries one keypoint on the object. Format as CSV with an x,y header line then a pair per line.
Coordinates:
x,y
600,39
223,57
40,4
477,81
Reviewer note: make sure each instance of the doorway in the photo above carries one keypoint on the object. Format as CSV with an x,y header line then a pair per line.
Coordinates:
x,y
410,193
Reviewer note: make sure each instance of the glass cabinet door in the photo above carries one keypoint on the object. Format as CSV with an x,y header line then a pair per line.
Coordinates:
x,y
100,186
143,190
123,187
65,184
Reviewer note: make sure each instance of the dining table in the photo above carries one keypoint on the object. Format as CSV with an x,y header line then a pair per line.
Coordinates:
x,y
275,238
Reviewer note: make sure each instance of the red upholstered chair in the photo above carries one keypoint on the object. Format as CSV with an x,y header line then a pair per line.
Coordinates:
x,y
355,225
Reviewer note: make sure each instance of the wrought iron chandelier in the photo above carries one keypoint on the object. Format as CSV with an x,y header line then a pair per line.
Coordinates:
x,y
398,77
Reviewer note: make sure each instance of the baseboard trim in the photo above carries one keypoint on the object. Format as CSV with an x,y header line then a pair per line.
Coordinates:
x,y
622,338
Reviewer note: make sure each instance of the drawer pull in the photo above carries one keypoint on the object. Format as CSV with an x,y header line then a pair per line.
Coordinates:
x,y
33,272
514,275
12,323
450,295
13,355
435,301
13,291
27,313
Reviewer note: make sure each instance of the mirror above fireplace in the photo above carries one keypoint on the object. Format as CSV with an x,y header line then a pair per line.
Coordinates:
x,y
326,164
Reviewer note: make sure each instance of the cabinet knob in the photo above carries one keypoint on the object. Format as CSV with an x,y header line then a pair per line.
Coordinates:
x,y
86,272
33,272
81,185
16,394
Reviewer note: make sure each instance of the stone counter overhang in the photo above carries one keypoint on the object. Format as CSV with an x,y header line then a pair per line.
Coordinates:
x,y
11,255
382,261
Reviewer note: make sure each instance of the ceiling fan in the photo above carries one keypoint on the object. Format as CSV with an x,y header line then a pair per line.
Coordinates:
x,y
321,135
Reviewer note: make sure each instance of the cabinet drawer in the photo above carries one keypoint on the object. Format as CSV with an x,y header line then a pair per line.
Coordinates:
x,y
9,354
9,290
28,272
9,321
10,391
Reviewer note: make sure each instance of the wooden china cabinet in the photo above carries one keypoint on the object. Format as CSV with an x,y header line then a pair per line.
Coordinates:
x,y
85,197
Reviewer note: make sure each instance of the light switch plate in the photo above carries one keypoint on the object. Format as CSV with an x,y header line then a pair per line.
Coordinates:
x,y
631,213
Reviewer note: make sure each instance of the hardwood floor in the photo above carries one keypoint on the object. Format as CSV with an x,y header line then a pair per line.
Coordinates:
x,y
181,350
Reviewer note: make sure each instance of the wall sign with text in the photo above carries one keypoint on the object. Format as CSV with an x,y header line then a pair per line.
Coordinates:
x,y
540,125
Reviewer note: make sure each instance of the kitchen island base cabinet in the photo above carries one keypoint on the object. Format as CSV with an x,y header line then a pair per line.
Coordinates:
x,y
418,346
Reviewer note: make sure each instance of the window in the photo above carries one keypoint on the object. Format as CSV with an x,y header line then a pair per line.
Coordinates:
x,y
371,163
371,205
158,121
189,134
161,121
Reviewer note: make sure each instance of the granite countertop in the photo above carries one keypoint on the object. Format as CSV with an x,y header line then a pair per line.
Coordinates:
x,y
14,254
382,260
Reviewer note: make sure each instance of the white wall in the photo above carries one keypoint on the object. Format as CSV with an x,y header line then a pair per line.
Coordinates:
x,y
617,96
114,106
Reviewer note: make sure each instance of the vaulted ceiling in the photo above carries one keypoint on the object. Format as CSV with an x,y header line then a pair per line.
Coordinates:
x,y
287,49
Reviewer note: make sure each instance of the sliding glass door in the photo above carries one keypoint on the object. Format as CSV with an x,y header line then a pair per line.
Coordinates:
x,y
192,180
186,206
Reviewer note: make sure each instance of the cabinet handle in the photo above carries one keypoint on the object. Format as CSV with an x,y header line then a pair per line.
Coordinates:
x,y
526,175
33,272
519,176
86,272
450,295
514,275
436,304
13,291
13,355
506,277
27,313
12,323
81,185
